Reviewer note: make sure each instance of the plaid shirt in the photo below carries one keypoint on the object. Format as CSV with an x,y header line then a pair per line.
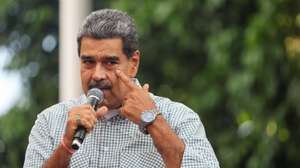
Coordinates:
x,y
118,142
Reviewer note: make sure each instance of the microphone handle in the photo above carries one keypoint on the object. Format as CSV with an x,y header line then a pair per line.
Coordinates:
x,y
78,137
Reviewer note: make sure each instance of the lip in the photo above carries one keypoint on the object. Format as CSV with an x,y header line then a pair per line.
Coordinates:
x,y
105,89
101,86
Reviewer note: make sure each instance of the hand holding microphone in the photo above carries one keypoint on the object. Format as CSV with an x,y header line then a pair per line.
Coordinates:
x,y
82,119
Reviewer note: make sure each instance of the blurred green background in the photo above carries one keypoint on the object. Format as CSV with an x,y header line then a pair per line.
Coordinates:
x,y
235,62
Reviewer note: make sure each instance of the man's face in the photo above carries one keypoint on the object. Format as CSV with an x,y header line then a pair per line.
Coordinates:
x,y
99,59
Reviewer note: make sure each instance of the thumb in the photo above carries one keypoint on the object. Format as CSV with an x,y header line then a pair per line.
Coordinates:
x,y
146,87
101,112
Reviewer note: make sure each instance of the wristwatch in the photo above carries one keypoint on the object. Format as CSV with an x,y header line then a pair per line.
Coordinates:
x,y
147,118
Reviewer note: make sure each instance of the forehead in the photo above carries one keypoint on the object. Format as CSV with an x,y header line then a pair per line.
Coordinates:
x,y
99,47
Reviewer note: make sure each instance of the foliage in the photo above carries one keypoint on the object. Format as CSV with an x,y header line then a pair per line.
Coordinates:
x,y
234,62
25,26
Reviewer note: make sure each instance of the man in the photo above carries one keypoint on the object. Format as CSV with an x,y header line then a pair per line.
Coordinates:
x,y
119,132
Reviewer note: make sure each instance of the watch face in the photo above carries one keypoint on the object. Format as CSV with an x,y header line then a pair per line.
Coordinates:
x,y
148,117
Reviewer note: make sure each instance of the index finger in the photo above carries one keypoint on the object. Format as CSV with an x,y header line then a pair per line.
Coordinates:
x,y
125,79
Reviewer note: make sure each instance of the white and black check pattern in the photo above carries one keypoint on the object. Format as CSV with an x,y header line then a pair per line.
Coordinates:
x,y
117,142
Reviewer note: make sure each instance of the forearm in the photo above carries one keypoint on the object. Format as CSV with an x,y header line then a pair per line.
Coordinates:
x,y
59,159
168,144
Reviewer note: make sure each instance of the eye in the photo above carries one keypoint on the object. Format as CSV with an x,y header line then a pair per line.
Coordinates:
x,y
111,62
88,61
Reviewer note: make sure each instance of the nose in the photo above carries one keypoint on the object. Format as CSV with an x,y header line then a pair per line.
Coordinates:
x,y
99,73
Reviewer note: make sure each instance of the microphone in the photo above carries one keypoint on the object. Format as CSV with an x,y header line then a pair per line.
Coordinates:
x,y
95,97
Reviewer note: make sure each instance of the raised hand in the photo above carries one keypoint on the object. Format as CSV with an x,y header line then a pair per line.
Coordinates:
x,y
136,99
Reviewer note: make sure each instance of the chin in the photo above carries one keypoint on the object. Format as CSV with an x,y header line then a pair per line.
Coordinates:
x,y
106,103
110,104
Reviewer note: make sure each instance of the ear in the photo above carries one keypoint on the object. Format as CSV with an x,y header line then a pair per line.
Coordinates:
x,y
134,62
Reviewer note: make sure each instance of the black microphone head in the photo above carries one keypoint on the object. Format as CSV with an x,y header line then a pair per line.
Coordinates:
x,y
95,93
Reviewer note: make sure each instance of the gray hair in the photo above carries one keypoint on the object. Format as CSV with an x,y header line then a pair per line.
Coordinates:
x,y
110,23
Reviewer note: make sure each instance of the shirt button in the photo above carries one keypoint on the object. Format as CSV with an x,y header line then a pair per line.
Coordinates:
x,y
108,123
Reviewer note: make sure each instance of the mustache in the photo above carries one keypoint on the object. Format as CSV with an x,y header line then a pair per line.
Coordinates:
x,y
101,84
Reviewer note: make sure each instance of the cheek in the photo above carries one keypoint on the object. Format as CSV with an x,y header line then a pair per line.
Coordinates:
x,y
84,74
85,78
114,82
126,68
111,76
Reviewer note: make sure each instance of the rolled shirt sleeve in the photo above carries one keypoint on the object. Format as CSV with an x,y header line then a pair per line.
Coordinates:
x,y
198,151
40,145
